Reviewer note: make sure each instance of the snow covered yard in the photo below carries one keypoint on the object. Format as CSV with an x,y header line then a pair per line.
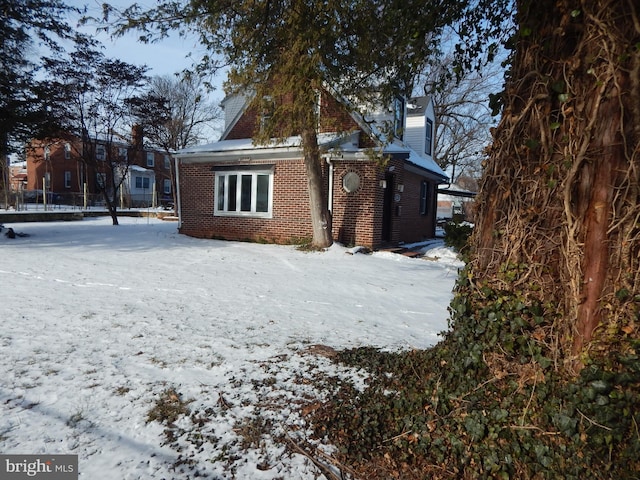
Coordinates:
x,y
102,325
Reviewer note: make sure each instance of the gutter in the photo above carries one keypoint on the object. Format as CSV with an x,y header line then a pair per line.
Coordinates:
x,y
330,193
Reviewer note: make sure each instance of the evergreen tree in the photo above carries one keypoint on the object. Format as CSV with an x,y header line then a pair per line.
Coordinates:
x,y
289,49
25,101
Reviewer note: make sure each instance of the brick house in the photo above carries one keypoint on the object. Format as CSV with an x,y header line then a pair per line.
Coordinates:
x,y
235,190
55,165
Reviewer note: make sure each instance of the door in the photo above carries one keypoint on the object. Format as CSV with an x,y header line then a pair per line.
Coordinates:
x,y
387,209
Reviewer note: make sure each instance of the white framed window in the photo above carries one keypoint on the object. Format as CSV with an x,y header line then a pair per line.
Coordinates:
x,y
67,151
47,153
166,186
142,182
101,153
424,198
150,159
101,181
123,154
398,117
47,180
244,193
67,179
167,162
428,140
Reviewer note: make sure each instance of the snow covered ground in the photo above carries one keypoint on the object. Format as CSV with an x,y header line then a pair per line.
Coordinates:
x,y
100,322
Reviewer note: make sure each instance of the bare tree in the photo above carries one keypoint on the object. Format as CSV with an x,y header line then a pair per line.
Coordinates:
x,y
96,110
175,113
462,107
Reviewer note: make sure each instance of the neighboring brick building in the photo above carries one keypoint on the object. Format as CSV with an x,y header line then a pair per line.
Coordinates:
x,y
235,190
55,165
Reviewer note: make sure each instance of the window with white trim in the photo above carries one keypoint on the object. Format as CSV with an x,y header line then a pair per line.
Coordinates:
x,y
424,198
142,182
166,186
150,159
428,140
67,151
244,193
67,179
101,152
167,162
398,117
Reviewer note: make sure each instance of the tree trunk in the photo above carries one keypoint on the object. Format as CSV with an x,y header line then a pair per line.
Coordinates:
x,y
559,203
320,215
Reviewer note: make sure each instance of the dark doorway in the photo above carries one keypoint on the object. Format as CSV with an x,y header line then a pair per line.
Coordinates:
x,y
387,209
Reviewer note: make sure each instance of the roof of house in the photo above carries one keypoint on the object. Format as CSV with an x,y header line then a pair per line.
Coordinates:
x,y
329,142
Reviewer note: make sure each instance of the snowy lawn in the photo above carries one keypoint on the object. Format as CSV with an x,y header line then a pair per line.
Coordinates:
x,y
102,325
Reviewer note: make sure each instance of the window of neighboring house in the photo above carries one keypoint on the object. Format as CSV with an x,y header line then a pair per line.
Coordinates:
x,y
47,153
166,184
67,179
150,159
424,198
247,193
428,141
167,162
67,151
142,182
101,180
47,180
123,154
398,117
101,153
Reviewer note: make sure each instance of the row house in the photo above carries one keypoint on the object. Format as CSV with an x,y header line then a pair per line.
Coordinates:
x,y
58,167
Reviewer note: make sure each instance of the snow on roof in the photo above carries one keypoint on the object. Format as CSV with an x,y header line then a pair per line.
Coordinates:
x,y
342,142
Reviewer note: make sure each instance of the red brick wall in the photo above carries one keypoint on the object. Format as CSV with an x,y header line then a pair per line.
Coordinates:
x,y
57,164
290,213
414,226
357,216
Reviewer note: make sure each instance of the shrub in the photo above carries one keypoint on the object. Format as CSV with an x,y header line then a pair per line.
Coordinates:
x,y
457,236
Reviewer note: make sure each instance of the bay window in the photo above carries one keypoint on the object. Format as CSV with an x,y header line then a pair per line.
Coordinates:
x,y
244,193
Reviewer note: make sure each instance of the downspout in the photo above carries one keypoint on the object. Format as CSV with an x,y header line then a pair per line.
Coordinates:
x,y
178,205
330,193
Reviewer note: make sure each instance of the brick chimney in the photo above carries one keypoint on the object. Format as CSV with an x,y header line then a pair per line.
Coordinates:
x,y
137,144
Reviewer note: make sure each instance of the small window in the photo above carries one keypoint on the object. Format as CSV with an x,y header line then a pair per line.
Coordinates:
x,y
150,159
67,179
101,181
67,151
142,182
244,193
123,155
424,198
101,153
47,153
47,180
428,141
166,186
266,112
398,117
167,162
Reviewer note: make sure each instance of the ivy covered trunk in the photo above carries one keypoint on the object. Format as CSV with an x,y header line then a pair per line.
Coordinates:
x,y
559,213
